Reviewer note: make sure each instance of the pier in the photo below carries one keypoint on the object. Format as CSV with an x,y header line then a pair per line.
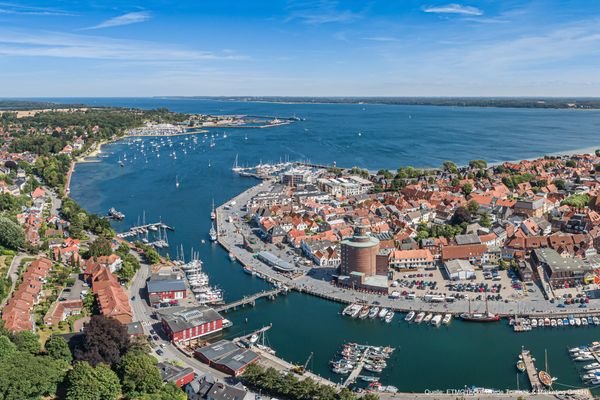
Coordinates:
x,y
355,373
532,374
139,229
249,300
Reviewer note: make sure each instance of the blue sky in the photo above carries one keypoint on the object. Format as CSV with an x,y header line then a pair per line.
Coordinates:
x,y
300,47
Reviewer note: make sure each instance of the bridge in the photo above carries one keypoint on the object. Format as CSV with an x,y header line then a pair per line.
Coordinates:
x,y
250,299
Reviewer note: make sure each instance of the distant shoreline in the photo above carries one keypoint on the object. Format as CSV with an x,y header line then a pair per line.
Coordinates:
x,y
548,103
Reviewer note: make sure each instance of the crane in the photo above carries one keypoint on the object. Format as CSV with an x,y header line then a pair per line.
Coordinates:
x,y
300,369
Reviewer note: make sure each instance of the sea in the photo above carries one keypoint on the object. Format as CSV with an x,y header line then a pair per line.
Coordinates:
x,y
364,135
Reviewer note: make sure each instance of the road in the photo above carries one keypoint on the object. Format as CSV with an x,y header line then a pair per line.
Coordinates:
x,y
142,312
13,274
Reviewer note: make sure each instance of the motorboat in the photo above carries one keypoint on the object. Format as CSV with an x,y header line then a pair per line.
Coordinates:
x,y
534,323
446,320
521,366
373,312
428,318
559,322
553,323
383,312
389,316
593,365
436,320
419,317
364,312
410,316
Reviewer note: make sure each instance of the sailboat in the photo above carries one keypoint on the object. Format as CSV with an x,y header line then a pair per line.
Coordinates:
x,y
212,232
545,376
213,214
479,317
236,168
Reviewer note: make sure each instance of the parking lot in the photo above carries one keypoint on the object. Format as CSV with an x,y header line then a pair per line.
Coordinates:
x,y
493,284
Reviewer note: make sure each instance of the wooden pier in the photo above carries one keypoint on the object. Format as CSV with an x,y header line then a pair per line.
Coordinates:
x,y
249,300
355,373
532,373
140,229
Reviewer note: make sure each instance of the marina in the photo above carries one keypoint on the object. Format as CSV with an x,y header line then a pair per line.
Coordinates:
x,y
135,187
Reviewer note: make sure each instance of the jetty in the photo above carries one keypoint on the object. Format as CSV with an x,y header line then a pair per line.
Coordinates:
x,y
250,299
355,373
532,373
140,229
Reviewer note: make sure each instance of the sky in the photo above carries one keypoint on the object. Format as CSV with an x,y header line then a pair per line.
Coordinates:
x,y
66,48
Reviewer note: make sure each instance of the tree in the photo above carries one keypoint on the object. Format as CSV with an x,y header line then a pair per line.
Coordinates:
x,y
166,392
25,376
450,167
85,382
105,341
478,164
597,153
100,247
139,374
12,235
6,347
27,341
58,348
570,163
473,207
485,220
461,215
466,189
577,200
560,184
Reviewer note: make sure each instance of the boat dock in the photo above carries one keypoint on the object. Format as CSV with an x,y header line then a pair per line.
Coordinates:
x,y
249,300
354,374
532,373
139,229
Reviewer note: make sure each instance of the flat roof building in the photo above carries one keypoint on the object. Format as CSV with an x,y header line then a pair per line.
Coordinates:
x,y
186,323
226,357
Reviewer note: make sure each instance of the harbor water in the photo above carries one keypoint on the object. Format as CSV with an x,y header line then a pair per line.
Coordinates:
x,y
390,136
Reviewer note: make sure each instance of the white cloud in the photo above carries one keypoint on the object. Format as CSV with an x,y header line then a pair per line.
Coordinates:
x,y
453,9
11,8
382,38
125,19
61,45
320,12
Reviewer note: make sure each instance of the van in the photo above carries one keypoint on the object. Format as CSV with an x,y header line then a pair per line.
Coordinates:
x,y
411,296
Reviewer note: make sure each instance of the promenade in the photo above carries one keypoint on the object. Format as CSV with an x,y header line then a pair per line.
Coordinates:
x,y
318,281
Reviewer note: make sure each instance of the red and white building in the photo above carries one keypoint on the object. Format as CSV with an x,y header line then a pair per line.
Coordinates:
x,y
165,289
182,324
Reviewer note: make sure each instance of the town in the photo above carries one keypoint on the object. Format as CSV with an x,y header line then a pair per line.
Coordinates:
x,y
410,241
521,237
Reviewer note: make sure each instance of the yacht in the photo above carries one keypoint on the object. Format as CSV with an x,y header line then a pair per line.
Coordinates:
x,y
447,319
436,320
383,312
213,214
593,365
409,317
389,316
374,311
364,312
212,233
